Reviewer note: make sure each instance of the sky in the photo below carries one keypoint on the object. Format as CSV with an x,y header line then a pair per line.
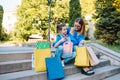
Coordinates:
x,y
9,4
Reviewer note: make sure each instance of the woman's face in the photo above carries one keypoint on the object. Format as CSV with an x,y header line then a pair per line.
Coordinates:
x,y
77,26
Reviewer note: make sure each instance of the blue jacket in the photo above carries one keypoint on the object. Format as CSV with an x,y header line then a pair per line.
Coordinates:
x,y
75,38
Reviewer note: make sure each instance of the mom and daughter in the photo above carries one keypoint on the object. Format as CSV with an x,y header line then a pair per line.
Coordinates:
x,y
76,35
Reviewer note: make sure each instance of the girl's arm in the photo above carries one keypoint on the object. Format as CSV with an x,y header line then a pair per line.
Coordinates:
x,y
57,44
59,41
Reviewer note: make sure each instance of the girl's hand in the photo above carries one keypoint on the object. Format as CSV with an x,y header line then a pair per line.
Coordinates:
x,y
63,39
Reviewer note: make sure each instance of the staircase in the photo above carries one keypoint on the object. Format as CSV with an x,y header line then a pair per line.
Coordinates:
x,y
15,64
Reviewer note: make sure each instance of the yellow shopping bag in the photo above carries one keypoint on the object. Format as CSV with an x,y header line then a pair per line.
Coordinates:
x,y
39,59
82,57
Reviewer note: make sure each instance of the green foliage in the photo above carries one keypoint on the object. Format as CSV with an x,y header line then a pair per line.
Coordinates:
x,y
74,11
107,21
5,36
33,17
118,34
60,13
1,18
88,7
117,4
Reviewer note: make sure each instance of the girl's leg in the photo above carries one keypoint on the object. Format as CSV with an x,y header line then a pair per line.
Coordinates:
x,y
59,51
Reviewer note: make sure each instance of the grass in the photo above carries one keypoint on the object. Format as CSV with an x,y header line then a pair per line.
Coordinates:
x,y
114,47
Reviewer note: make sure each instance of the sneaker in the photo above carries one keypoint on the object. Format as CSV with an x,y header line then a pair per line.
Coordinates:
x,y
62,63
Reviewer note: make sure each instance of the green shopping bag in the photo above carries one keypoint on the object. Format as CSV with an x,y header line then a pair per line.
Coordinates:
x,y
42,45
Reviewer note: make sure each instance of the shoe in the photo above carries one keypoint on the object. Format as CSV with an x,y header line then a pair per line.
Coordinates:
x,y
62,63
89,72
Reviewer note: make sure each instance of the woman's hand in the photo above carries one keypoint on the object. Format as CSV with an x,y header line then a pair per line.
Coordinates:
x,y
72,31
82,42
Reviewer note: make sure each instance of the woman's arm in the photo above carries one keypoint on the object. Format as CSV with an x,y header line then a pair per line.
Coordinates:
x,y
82,39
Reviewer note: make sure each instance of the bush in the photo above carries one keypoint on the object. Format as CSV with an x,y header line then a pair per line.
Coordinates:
x,y
107,21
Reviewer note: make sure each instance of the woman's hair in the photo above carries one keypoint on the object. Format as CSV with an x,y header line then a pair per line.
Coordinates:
x,y
81,22
59,27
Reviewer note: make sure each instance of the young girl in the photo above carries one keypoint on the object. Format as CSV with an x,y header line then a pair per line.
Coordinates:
x,y
61,38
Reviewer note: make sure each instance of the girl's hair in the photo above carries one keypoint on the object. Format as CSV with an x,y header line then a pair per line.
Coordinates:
x,y
81,22
59,27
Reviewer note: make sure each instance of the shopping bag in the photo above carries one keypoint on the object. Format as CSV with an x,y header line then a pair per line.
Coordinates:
x,y
54,67
39,59
42,45
93,58
67,49
32,65
82,57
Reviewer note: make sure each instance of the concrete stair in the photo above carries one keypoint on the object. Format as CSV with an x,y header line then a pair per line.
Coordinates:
x,y
15,53
100,73
31,75
15,64
21,65
114,77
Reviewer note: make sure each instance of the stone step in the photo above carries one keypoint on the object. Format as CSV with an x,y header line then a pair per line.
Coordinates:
x,y
31,75
70,72
100,73
12,66
114,77
17,53
14,56
21,65
15,49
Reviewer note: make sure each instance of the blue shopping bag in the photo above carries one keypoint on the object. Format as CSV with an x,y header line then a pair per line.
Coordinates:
x,y
54,68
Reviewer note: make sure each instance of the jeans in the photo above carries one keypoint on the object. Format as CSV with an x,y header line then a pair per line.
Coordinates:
x,y
59,52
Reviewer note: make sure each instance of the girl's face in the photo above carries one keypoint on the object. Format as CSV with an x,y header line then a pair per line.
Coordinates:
x,y
64,30
77,26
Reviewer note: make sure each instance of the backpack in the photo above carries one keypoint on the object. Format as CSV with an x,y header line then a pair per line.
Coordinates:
x,y
67,49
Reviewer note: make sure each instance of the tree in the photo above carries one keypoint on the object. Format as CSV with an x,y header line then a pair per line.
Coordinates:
x,y
88,7
74,11
117,4
107,21
60,12
32,18
1,18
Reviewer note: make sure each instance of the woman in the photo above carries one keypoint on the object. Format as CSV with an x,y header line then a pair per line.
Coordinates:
x,y
78,38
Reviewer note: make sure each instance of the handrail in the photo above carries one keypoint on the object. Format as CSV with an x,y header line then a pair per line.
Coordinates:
x,y
106,51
